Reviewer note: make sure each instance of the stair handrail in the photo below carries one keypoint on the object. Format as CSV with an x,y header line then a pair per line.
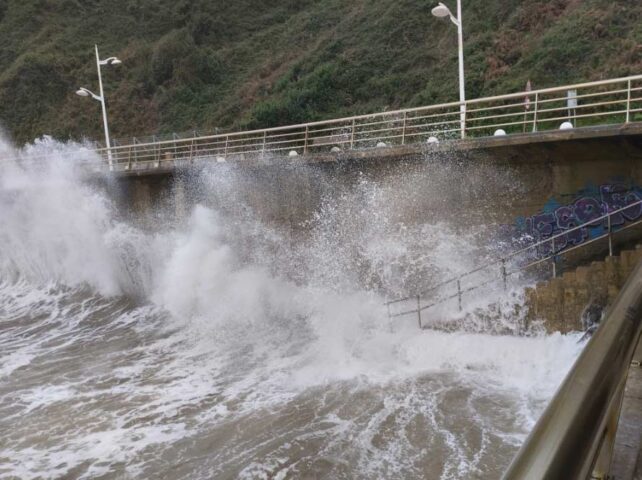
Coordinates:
x,y
575,436
503,261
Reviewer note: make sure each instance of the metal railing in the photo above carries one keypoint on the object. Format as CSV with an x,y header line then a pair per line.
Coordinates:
x,y
604,102
499,270
574,438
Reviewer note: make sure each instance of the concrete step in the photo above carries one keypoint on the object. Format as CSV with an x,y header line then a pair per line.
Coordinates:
x,y
561,302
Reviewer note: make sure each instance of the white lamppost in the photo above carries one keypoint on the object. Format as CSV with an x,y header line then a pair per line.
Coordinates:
x,y
83,92
442,11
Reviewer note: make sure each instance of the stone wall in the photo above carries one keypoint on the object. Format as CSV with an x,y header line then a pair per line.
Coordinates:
x,y
565,303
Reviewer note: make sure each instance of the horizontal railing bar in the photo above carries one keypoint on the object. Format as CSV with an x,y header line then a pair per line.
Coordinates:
x,y
403,313
579,107
507,273
495,125
519,122
270,141
425,108
584,243
263,140
448,113
540,112
548,241
544,100
448,122
580,96
579,423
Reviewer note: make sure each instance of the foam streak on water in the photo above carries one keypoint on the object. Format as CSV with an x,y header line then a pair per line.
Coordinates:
x,y
183,353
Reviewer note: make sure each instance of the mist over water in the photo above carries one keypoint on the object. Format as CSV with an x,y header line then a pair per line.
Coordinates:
x,y
218,345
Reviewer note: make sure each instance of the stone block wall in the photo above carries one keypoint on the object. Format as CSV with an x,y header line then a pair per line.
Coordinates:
x,y
564,304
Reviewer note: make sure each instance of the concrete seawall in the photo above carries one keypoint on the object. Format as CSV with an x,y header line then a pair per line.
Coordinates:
x,y
489,183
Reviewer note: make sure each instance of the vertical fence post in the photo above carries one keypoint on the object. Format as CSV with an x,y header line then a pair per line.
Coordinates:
x,y
419,311
352,136
628,102
175,138
305,142
403,131
459,293
504,276
535,110
610,230
191,151
227,138
264,141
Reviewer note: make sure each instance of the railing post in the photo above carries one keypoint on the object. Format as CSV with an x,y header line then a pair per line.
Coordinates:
x,y
459,294
135,141
535,111
403,131
419,311
628,102
305,142
191,151
462,114
504,276
227,137
352,136
264,141
610,230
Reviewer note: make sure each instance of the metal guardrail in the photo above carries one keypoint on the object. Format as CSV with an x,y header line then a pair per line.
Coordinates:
x,y
547,250
604,102
574,438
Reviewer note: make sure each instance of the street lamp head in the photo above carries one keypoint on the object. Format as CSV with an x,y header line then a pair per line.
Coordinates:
x,y
82,92
110,61
441,11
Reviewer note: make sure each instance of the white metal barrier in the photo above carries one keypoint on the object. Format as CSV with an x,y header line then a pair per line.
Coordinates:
x,y
615,101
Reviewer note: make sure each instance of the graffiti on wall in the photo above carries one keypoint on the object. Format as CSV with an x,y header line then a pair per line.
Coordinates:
x,y
589,206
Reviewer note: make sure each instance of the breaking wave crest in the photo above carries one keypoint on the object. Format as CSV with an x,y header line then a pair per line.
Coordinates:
x,y
219,346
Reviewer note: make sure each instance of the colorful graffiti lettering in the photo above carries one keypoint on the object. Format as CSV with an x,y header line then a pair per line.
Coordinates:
x,y
585,210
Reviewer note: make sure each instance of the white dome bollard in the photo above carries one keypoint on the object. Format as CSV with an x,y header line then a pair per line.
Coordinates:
x,y
500,132
220,159
381,145
433,140
335,150
293,153
566,126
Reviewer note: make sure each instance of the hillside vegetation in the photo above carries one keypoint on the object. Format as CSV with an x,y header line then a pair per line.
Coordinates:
x,y
203,64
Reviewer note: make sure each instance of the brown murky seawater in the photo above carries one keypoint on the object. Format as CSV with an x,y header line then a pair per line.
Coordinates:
x,y
101,388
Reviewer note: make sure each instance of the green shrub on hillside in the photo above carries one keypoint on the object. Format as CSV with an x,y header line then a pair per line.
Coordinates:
x,y
253,63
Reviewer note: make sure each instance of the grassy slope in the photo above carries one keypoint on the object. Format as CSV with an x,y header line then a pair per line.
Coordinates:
x,y
248,63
